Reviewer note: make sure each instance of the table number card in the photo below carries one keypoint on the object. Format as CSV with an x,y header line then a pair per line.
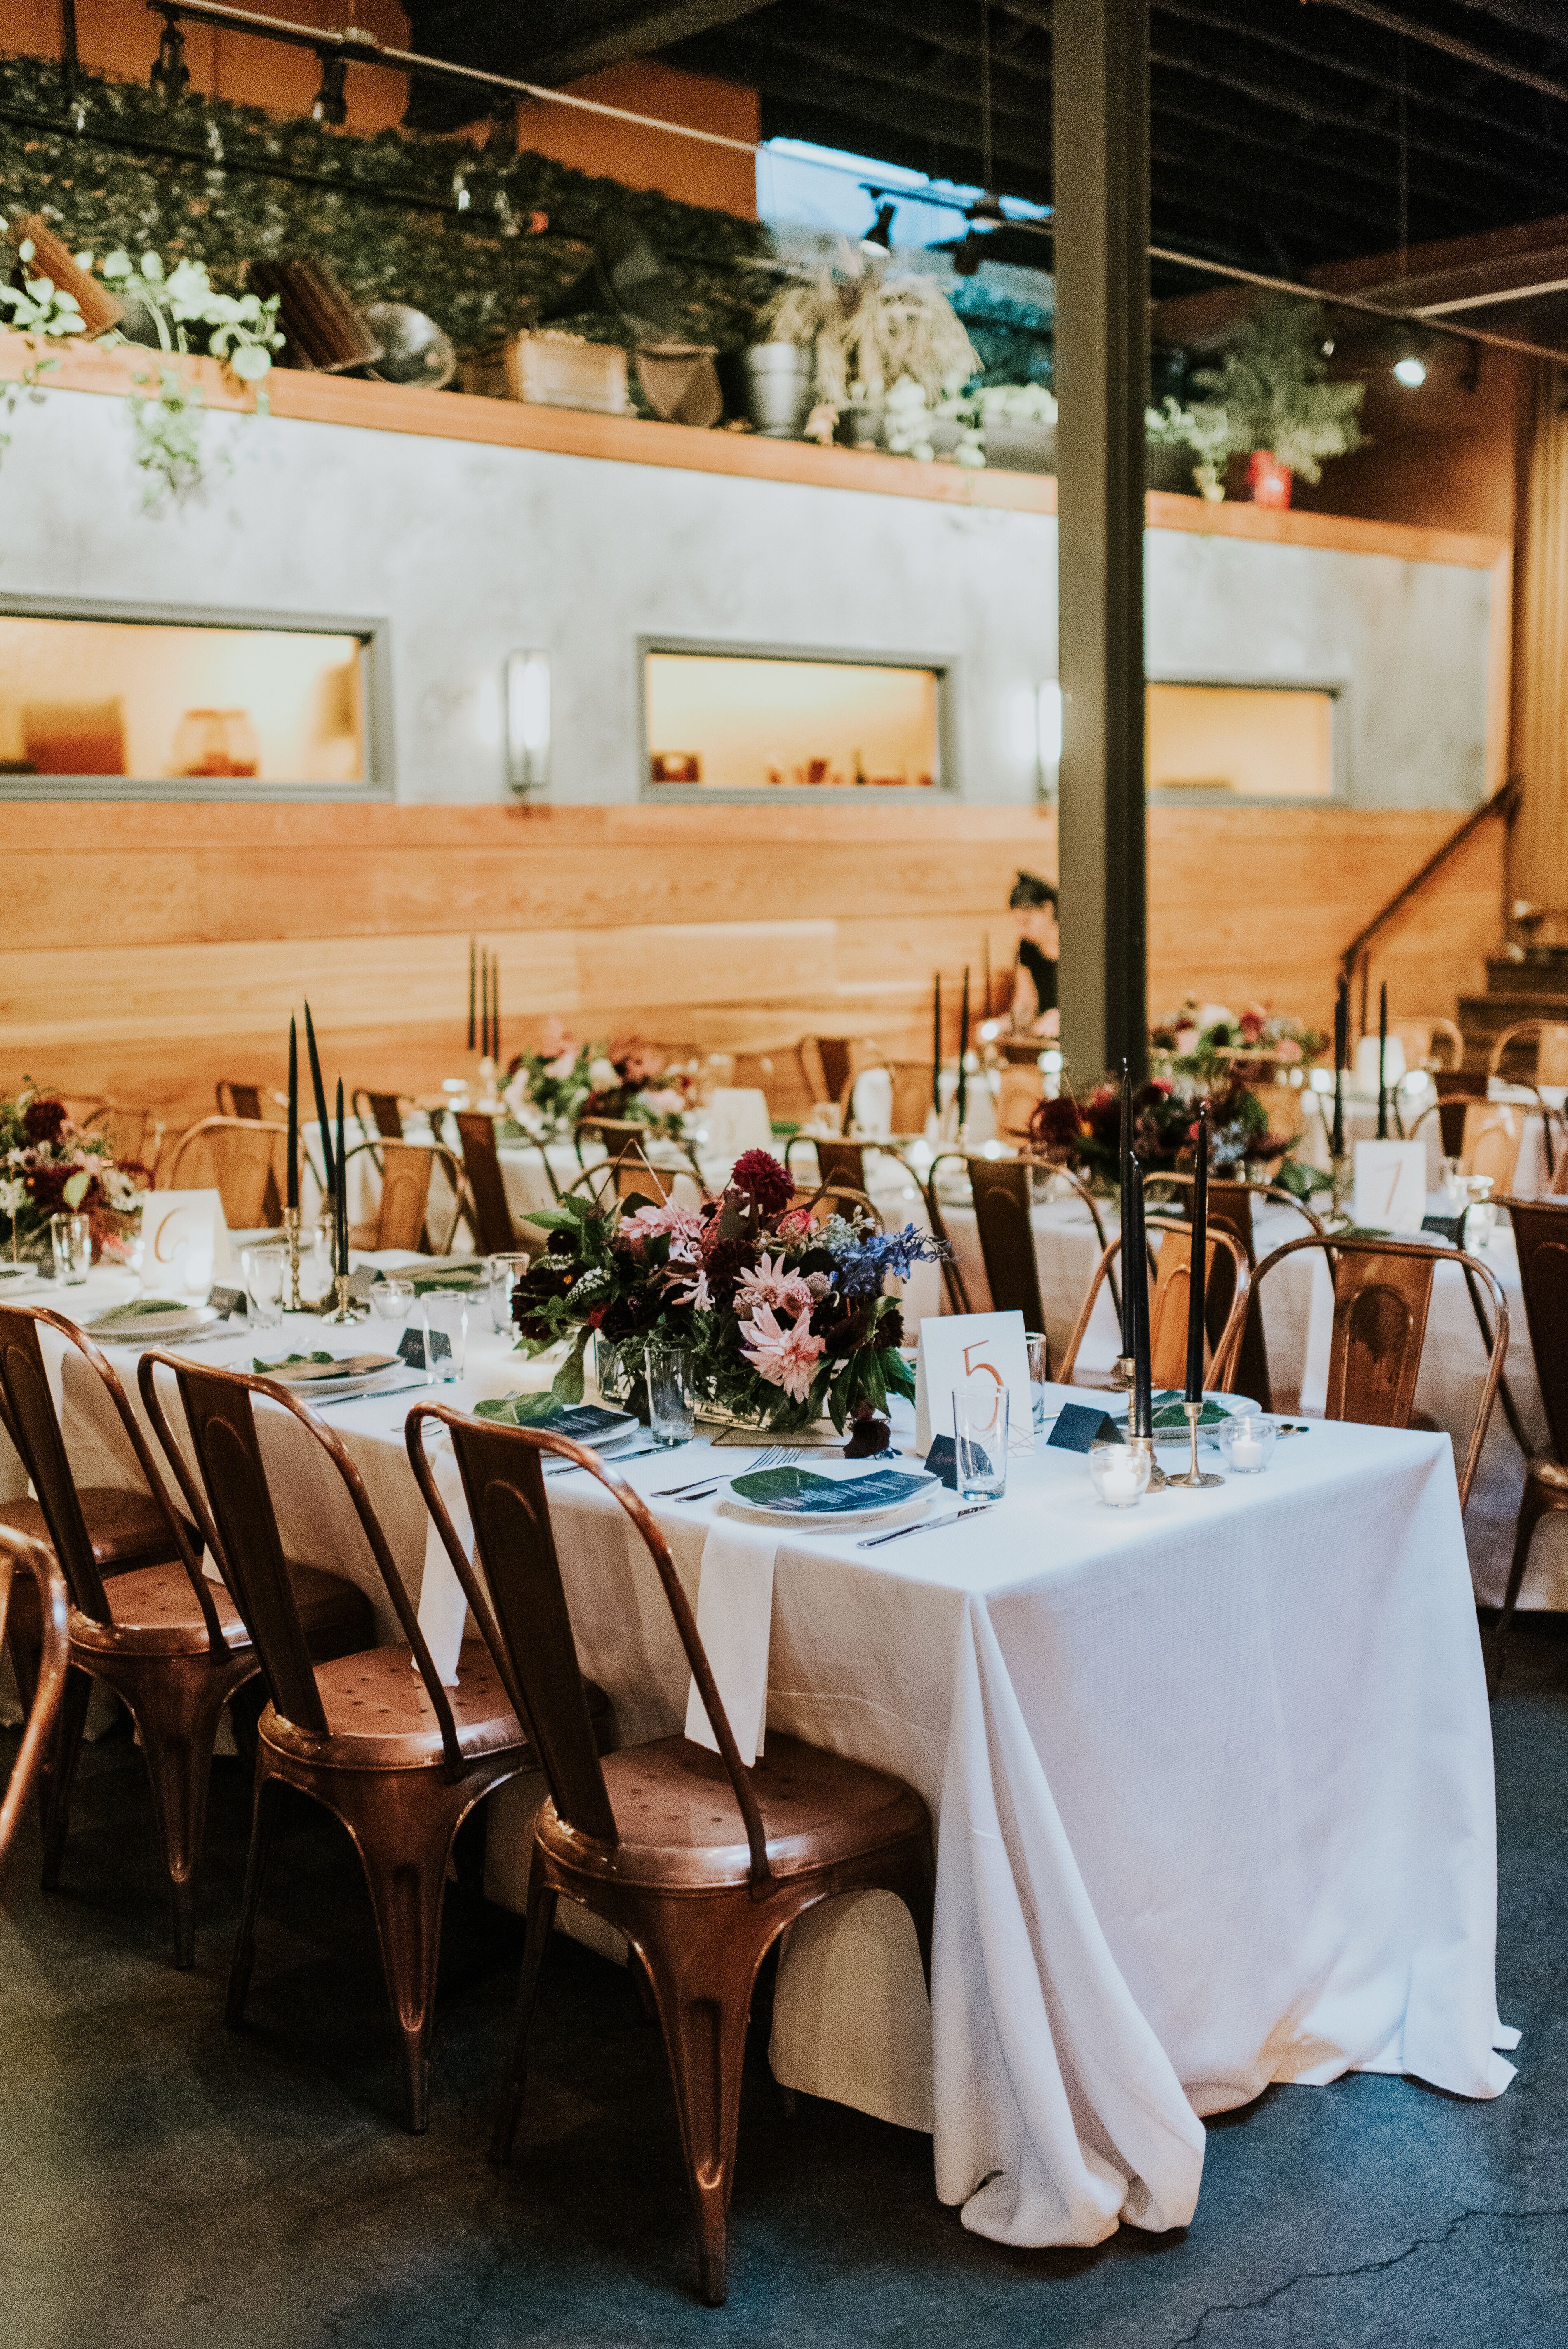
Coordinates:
x,y
1390,1185
954,1347
184,1242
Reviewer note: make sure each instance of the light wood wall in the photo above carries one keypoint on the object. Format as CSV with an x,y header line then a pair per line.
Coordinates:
x,y
148,950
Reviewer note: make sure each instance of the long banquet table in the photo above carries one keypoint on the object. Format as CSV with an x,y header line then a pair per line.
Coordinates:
x,y
1211,1781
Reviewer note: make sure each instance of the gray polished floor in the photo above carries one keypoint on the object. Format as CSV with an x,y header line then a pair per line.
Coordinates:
x,y
165,2183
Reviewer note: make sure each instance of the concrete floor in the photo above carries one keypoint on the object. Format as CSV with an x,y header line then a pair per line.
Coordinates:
x,y
165,2183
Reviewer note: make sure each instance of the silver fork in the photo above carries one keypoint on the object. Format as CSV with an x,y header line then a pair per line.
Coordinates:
x,y
778,1455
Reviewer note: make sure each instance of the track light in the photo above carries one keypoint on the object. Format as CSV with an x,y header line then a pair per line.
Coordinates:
x,y
332,98
171,76
1410,369
877,242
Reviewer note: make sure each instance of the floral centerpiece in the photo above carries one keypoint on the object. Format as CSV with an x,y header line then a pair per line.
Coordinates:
x,y
786,1318
47,1167
1202,1040
548,1090
1087,1135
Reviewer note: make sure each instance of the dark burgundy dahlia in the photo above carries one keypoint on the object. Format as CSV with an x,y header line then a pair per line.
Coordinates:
x,y
761,1177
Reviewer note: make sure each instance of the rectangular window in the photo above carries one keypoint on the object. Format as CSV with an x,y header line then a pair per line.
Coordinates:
x,y
757,722
174,702
1241,742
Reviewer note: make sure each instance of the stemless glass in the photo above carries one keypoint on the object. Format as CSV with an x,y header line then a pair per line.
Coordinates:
x,y
1455,1183
70,1236
1480,1215
505,1272
671,1394
980,1438
1120,1473
447,1311
1246,1439
265,1270
1038,1348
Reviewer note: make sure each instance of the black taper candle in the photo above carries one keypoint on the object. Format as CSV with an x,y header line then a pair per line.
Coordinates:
x,y
320,1092
342,1247
473,959
1196,1278
936,1047
495,1006
964,1054
1382,1060
293,1199
1125,1207
1341,1050
1135,1286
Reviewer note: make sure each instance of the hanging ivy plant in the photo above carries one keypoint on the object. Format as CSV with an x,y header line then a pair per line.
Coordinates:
x,y
43,312
168,412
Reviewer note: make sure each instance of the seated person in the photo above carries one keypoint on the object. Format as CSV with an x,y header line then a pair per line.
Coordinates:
x,y
1034,1006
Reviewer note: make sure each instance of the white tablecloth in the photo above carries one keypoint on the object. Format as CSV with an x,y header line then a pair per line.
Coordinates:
x,y
1213,1781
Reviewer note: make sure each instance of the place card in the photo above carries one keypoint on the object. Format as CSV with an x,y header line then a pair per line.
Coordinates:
x,y
1390,1185
1078,1427
229,1301
361,1283
1446,1228
411,1348
941,1462
955,1347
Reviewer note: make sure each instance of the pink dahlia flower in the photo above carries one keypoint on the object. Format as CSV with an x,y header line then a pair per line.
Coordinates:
x,y
785,1357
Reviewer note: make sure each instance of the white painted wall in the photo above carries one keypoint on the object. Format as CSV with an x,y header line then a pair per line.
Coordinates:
x,y
471,552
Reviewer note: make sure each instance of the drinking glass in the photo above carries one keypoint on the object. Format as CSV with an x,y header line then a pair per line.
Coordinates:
x,y
1247,1438
392,1300
449,1311
71,1238
1480,1215
265,1271
1120,1473
1455,1183
980,1438
671,1394
1038,1348
505,1272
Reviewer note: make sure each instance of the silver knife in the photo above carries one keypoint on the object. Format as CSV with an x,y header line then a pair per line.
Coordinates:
x,y
925,1524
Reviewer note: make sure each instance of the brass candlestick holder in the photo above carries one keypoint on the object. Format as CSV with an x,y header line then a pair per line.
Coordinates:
x,y
294,1302
1122,1372
1196,1478
347,1308
1343,1170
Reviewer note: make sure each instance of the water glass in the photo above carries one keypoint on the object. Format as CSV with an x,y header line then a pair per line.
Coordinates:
x,y
1038,1348
446,1310
390,1299
1480,1215
265,1270
1247,1438
1455,1183
671,1394
71,1238
980,1438
505,1272
1120,1473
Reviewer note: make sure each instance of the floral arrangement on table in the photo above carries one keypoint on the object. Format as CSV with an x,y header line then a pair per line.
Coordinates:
x,y
1085,1136
47,1167
786,1318
548,1090
1203,1040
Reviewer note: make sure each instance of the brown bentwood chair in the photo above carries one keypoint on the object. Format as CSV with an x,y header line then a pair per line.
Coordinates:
x,y
1226,1278
373,1736
486,1205
1382,1294
32,1565
699,1861
1231,1207
167,1640
1541,1237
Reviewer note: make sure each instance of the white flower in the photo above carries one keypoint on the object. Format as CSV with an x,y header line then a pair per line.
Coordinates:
x,y
602,1076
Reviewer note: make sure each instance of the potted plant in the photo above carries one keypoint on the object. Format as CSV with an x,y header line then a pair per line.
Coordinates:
x,y
1186,447
1273,384
868,332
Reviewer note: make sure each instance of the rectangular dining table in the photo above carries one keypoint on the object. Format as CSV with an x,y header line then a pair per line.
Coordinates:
x,y
1211,1781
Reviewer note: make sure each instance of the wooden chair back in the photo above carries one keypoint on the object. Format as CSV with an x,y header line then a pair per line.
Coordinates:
x,y
830,1199
1231,1207
20,1554
1451,1111
403,1211
1003,1203
1540,1238
240,1158
380,1113
34,1426
528,1623
829,1065
1493,1132
1538,1047
135,1136
235,1100
1434,1043
494,1231
953,1280
911,1100
1227,1283
1021,1092
232,1506
1382,1296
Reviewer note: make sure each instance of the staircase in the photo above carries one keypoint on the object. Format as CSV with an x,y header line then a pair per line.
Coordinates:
x,y
1522,983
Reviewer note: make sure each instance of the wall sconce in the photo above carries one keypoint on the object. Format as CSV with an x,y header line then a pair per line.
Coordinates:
x,y
1048,734
527,721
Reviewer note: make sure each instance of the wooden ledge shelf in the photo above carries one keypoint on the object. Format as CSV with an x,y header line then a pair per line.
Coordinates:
x,y
636,440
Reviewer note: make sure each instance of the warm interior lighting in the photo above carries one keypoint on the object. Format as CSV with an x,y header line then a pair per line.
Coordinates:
x,y
527,720
1247,741
738,722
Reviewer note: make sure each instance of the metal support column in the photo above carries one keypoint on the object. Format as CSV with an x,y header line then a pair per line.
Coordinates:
x,y
1100,125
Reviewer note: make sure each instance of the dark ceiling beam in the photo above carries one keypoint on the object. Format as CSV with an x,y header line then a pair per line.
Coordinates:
x,y
636,36
1389,20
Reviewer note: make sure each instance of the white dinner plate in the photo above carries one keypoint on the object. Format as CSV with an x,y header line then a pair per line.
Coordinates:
x,y
840,1518
314,1380
128,1328
1226,1403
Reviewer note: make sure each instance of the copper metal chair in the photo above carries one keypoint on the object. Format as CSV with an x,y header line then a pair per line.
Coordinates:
x,y
1493,1135
1231,1206
829,1065
843,1163
485,1205
830,1199
699,1861
240,1099
166,1639
370,1734
25,1563
1003,1205
1227,1301
240,1158
135,1136
1382,1294
380,1114
1541,1237
402,1212
953,1279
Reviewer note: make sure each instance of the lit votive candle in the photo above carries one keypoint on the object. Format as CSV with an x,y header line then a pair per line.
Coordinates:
x,y
1246,1439
1120,1475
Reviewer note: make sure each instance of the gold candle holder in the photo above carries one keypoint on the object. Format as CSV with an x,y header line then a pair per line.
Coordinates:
x,y
1122,1372
1343,1170
347,1308
294,1302
1196,1478
1159,1482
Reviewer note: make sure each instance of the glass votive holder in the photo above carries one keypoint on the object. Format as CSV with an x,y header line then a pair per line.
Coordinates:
x,y
505,1272
1247,1438
390,1299
71,1238
1120,1473
672,1394
1037,1346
